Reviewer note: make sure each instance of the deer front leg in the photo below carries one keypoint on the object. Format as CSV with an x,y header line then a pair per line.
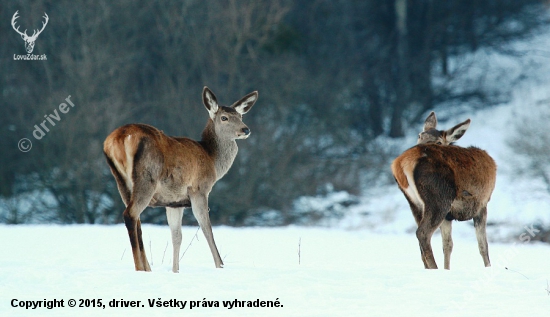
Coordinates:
x,y
199,205
446,231
174,221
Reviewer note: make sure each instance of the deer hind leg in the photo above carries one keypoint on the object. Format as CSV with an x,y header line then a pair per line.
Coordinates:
x,y
140,199
145,172
174,222
199,205
423,258
480,223
125,193
446,231
418,214
434,215
146,266
133,225
438,190
424,234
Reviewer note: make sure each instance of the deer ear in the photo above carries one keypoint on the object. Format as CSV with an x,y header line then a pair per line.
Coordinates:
x,y
431,122
245,104
210,102
456,132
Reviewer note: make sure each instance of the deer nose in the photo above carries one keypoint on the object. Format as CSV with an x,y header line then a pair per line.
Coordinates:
x,y
246,131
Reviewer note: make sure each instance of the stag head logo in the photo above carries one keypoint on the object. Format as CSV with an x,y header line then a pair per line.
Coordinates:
x,y
29,40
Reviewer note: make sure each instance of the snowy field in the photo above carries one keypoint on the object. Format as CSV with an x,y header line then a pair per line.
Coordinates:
x,y
338,273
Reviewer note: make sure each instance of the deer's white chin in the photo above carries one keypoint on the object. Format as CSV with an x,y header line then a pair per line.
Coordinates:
x,y
242,136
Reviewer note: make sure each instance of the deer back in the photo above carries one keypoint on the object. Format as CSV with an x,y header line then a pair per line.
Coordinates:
x,y
469,172
174,161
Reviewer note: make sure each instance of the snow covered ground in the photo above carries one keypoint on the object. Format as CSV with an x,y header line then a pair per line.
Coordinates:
x,y
337,273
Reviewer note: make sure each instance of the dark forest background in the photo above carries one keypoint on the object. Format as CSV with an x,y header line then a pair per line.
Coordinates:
x,y
333,76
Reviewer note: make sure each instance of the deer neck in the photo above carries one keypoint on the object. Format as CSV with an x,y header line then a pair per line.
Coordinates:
x,y
222,149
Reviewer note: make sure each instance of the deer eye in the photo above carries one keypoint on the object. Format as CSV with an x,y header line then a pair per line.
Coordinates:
x,y
224,118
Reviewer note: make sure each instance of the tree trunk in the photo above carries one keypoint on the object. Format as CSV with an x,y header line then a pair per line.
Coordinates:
x,y
401,74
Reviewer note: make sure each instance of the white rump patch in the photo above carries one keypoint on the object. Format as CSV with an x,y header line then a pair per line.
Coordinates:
x,y
412,192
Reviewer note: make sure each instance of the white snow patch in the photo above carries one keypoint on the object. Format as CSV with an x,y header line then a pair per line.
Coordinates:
x,y
341,273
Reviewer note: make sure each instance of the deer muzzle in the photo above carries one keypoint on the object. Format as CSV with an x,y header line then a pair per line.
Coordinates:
x,y
244,133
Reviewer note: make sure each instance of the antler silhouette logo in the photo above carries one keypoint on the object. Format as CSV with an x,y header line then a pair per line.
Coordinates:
x,y
29,40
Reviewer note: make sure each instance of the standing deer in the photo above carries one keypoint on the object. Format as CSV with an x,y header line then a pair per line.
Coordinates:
x,y
443,182
156,170
29,40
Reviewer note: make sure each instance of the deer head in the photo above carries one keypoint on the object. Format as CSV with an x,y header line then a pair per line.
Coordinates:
x,y
441,137
228,120
29,40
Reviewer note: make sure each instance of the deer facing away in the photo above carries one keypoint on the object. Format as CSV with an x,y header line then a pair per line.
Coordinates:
x,y
153,169
443,182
